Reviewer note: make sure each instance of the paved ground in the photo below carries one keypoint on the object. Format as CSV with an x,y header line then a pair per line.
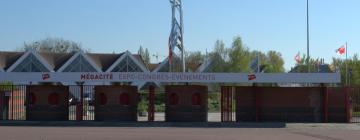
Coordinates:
x,y
212,117
290,131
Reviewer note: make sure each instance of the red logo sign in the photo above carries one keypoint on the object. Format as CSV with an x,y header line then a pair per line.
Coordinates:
x,y
251,77
45,76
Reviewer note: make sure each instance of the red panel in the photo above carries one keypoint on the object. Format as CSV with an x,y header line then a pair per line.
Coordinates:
x,y
103,99
174,99
32,98
124,99
196,99
53,99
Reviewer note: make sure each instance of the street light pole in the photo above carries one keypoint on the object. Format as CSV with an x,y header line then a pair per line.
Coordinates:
x,y
308,42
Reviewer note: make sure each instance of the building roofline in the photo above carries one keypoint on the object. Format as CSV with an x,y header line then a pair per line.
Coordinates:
x,y
67,63
24,56
120,59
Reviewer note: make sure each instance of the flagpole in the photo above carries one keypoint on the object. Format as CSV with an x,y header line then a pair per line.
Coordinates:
x,y
258,64
307,33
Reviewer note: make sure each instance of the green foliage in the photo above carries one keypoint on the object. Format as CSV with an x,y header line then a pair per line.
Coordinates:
x,y
145,55
214,102
160,107
142,106
56,45
274,62
194,57
302,67
219,57
6,86
353,64
239,57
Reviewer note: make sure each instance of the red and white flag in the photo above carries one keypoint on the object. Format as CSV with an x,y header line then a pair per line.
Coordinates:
x,y
341,50
297,58
170,51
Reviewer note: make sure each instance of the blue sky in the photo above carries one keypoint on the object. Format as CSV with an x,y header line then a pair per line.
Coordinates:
x,y
108,26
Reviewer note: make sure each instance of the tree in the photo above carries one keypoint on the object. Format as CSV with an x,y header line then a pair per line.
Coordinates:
x,y
274,63
55,45
339,65
239,57
302,67
219,56
194,57
145,55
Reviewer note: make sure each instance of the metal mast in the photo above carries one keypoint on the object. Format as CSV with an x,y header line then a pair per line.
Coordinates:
x,y
176,39
307,36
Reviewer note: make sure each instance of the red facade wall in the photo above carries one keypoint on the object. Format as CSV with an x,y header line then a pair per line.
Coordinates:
x,y
116,103
47,103
337,105
288,104
186,103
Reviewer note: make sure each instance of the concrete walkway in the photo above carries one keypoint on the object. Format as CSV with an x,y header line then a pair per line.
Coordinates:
x,y
257,131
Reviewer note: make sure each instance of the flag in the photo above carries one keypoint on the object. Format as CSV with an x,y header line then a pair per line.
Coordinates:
x,y
297,58
174,40
341,50
170,51
251,77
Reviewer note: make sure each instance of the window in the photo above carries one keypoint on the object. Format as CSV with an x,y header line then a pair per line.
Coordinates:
x,y
127,65
80,64
30,64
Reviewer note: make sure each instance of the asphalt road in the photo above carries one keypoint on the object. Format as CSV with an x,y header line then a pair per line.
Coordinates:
x,y
292,132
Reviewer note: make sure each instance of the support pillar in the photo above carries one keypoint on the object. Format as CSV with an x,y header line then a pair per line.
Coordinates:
x,y
151,107
222,94
256,103
2,105
79,106
325,91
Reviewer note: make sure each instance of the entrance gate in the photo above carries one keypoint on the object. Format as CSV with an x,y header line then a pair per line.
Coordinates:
x,y
227,101
355,104
81,98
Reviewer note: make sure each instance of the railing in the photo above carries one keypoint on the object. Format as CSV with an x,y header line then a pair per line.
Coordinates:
x,y
355,104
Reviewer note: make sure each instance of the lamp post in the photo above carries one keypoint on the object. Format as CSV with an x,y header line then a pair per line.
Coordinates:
x,y
307,33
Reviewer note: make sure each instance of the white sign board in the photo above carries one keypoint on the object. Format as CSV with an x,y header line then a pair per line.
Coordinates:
x,y
26,77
